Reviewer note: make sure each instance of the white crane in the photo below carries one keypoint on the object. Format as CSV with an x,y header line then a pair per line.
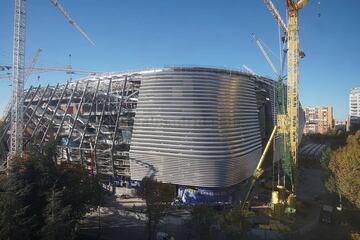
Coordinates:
x,y
275,13
32,63
71,21
42,69
258,43
16,131
249,70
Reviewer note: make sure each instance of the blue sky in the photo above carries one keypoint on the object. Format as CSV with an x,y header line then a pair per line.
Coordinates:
x,y
136,34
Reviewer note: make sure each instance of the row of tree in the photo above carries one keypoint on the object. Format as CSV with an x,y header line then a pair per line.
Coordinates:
x,y
342,166
206,223
40,199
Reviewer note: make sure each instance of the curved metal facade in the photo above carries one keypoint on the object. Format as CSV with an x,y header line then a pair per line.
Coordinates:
x,y
193,126
196,127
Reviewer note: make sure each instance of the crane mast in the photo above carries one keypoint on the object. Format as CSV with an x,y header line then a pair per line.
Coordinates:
x,y
287,121
16,138
293,74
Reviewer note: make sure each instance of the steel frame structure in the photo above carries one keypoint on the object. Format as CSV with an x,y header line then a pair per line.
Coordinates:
x,y
90,120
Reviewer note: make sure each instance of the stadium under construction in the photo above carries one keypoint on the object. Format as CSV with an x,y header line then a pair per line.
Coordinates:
x,y
195,127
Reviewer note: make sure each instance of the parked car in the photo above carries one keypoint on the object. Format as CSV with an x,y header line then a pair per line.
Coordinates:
x,y
163,236
326,214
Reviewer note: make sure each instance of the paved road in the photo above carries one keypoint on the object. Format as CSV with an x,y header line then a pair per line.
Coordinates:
x,y
119,220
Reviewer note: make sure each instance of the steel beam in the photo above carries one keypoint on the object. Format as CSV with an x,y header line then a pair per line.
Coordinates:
x,y
43,114
66,110
116,126
88,119
36,107
54,114
77,112
100,125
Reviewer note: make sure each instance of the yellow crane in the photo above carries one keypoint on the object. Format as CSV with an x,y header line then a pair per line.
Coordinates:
x,y
293,74
287,121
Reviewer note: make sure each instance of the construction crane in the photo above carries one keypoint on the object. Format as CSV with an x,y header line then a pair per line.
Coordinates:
x,y
43,69
287,120
61,9
32,63
16,131
258,43
28,72
288,123
28,69
293,74
258,171
249,70
294,53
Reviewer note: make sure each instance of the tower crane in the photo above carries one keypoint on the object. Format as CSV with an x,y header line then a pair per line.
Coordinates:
x,y
258,43
43,69
293,8
287,119
16,131
288,122
249,70
259,170
32,63
292,37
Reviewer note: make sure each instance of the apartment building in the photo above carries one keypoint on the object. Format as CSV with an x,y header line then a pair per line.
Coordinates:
x,y
318,119
354,106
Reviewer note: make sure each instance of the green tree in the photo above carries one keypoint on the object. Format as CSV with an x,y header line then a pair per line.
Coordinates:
x,y
344,166
68,199
158,197
42,200
233,223
202,222
11,219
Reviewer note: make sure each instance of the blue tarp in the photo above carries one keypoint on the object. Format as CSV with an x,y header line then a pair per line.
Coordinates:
x,y
205,195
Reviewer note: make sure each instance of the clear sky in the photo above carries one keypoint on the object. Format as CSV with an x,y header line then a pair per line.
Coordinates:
x,y
136,34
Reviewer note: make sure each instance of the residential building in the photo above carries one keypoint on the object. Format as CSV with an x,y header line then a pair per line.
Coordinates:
x,y
354,107
340,124
318,119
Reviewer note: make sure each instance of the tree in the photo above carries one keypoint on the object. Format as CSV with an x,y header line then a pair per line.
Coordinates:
x,y
158,197
10,213
69,198
333,138
202,222
344,165
42,200
233,223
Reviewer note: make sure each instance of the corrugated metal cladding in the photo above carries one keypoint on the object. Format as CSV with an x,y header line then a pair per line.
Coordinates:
x,y
196,127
